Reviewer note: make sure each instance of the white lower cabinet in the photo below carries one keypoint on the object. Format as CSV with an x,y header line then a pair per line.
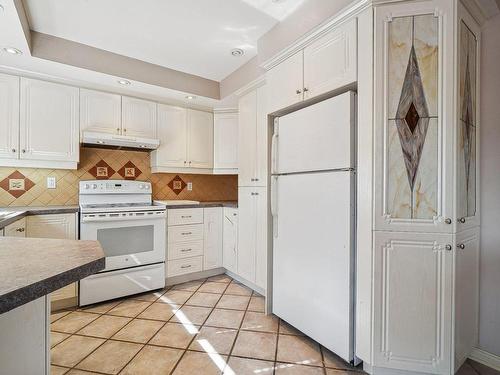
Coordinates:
x,y
62,226
212,237
419,325
194,240
230,240
252,235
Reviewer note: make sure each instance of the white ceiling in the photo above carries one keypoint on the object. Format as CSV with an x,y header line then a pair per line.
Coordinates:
x,y
192,36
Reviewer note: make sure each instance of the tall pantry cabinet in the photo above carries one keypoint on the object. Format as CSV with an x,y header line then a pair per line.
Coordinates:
x,y
251,264
426,238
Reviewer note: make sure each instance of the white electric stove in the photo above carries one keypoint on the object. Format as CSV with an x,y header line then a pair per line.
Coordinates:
x,y
131,229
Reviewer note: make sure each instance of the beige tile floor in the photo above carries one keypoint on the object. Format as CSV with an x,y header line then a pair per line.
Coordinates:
x,y
209,326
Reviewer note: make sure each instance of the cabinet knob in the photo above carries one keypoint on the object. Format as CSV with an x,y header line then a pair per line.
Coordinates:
x,y
448,247
20,230
13,150
298,92
306,89
462,220
23,151
185,162
190,162
447,220
461,246
118,130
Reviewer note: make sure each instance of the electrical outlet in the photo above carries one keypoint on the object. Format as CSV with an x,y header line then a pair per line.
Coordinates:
x,y
51,182
190,186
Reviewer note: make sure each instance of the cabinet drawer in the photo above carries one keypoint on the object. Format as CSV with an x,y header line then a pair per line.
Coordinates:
x,y
182,266
183,216
183,233
180,250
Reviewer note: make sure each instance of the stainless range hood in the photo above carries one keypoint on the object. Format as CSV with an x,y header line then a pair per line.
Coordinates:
x,y
97,139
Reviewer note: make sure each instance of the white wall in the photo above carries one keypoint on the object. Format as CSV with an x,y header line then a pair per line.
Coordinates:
x,y
489,326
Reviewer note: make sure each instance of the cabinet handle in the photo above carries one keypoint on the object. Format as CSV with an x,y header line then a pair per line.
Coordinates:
x,y
461,246
184,267
186,217
462,220
256,179
20,230
306,89
298,92
186,233
447,221
13,150
185,250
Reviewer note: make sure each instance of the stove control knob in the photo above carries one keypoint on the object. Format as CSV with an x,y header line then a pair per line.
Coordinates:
x,y
86,186
141,186
146,187
94,186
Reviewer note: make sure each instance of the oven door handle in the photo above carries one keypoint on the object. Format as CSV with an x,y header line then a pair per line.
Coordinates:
x,y
94,218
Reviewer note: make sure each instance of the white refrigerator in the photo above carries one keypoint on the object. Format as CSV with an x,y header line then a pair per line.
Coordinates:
x,y
313,207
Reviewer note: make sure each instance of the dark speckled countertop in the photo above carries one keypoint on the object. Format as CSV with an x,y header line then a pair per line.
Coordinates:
x,y
16,213
33,267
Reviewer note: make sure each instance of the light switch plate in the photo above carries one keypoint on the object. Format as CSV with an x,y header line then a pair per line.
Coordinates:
x,y
190,186
51,182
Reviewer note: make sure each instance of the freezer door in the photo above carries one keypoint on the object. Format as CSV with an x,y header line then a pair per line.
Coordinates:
x,y
313,256
318,137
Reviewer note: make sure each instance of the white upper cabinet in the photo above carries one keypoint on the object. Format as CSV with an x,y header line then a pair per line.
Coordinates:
x,y
226,143
100,112
49,121
253,138
200,139
285,82
173,137
138,117
9,116
212,237
186,141
330,62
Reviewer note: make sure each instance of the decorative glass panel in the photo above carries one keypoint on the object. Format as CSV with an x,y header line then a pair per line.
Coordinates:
x,y
466,165
412,134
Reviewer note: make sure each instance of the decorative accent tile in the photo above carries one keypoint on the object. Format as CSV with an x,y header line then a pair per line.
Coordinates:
x,y
102,171
16,184
129,171
177,184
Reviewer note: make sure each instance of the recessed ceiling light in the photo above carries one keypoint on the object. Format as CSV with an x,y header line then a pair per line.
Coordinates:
x,y
12,51
190,97
236,52
124,82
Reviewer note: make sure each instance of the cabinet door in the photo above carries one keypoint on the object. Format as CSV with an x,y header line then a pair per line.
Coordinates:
x,y
247,238
261,137
200,139
247,134
9,116
467,163
172,134
226,141
49,126
16,229
61,226
212,238
100,112
138,117
413,285
330,62
285,82
414,91
466,294
230,240
261,237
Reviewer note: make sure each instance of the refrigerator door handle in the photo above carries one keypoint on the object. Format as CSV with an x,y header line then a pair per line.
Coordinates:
x,y
274,147
274,204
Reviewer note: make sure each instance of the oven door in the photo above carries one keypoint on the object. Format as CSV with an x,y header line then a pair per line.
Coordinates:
x,y
128,239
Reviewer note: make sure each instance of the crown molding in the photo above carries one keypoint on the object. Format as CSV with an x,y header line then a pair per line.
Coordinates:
x,y
251,86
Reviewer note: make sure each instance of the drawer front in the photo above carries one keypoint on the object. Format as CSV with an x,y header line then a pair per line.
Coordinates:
x,y
183,266
182,216
180,250
183,233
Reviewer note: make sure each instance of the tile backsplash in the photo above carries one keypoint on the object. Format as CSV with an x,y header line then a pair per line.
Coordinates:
x,y
28,186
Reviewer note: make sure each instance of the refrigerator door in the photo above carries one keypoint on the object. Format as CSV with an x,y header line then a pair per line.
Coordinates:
x,y
315,138
313,256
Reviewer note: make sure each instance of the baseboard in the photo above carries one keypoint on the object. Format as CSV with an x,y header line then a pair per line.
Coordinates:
x,y
246,283
486,358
